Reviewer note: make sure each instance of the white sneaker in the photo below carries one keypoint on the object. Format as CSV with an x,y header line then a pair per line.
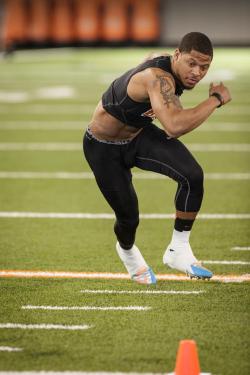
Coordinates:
x,y
136,266
182,258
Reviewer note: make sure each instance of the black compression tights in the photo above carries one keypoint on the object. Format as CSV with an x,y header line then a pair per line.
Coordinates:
x,y
151,150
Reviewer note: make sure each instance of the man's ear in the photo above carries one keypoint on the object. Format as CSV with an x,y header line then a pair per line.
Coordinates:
x,y
176,54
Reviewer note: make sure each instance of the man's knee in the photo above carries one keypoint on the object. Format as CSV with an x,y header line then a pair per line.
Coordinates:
x,y
196,177
125,230
130,223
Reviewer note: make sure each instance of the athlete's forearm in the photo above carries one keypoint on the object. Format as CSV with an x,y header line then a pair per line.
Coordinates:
x,y
186,120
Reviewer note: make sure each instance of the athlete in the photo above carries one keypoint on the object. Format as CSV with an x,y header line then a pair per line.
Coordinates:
x,y
121,136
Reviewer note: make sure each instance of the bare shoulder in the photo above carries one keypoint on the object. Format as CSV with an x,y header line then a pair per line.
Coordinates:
x,y
157,77
148,81
161,87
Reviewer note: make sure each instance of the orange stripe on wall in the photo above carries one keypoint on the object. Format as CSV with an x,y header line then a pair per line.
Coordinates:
x,y
39,20
145,23
62,21
15,22
115,20
87,20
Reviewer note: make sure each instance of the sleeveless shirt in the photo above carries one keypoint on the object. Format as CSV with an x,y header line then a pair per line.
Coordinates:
x,y
117,102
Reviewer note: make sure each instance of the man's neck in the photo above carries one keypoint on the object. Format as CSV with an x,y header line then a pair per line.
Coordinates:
x,y
173,67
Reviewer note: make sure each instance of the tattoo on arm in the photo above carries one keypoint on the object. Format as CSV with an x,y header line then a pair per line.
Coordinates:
x,y
166,91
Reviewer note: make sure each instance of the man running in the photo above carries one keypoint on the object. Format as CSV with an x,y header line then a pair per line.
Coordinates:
x,y
121,136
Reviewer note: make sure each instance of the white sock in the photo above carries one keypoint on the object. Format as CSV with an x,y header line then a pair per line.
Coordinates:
x,y
132,259
180,238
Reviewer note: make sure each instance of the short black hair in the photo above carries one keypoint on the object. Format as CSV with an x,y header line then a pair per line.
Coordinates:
x,y
198,42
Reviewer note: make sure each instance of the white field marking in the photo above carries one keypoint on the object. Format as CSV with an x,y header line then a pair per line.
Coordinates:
x,y
80,125
57,92
43,125
110,276
241,248
221,147
226,262
227,127
13,97
89,175
70,146
9,349
154,292
234,110
219,75
31,146
44,326
48,108
62,215
89,308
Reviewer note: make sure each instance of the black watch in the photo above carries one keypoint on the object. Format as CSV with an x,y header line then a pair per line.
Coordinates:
x,y
219,97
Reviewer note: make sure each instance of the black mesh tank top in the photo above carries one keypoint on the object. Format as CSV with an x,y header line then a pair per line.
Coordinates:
x,y
117,102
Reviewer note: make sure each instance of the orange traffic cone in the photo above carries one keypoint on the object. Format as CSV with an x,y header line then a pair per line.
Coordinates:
x,y
187,361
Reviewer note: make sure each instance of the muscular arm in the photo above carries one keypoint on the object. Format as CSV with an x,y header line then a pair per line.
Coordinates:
x,y
167,108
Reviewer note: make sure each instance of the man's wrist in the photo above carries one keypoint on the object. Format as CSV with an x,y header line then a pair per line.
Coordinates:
x,y
219,97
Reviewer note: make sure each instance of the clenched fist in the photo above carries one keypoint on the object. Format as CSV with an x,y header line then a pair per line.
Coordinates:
x,y
222,91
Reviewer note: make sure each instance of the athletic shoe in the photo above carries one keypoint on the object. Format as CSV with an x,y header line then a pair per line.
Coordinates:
x,y
183,259
136,266
144,276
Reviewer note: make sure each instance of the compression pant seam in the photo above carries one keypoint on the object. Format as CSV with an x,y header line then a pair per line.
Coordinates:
x,y
178,173
177,194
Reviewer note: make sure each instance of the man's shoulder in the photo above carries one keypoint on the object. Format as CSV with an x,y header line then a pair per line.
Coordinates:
x,y
156,73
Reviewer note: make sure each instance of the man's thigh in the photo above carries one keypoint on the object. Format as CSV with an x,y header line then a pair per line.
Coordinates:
x,y
114,179
156,152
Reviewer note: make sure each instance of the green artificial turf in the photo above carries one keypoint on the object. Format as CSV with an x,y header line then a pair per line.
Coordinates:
x,y
135,341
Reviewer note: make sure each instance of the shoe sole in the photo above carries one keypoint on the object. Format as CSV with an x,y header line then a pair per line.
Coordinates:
x,y
200,273
198,277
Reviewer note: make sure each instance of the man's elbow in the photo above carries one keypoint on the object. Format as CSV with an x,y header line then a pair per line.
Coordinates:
x,y
172,130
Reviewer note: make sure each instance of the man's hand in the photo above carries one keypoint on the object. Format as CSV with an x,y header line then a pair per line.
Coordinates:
x,y
221,90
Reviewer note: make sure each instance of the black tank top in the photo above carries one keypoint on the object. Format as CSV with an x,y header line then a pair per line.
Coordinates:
x,y
117,102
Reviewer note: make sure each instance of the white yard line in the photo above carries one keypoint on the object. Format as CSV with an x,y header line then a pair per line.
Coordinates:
x,y
89,175
241,248
107,216
13,97
31,146
226,262
89,308
9,349
220,147
44,108
153,292
227,176
43,125
70,146
50,175
227,127
44,326
109,276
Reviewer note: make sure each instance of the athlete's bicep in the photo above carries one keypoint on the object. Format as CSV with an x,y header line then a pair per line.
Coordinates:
x,y
165,103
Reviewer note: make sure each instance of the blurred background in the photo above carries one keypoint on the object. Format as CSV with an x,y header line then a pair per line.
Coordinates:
x,y
47,98
52,23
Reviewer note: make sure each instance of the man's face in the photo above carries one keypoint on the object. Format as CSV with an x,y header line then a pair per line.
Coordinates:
x,y
190,67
